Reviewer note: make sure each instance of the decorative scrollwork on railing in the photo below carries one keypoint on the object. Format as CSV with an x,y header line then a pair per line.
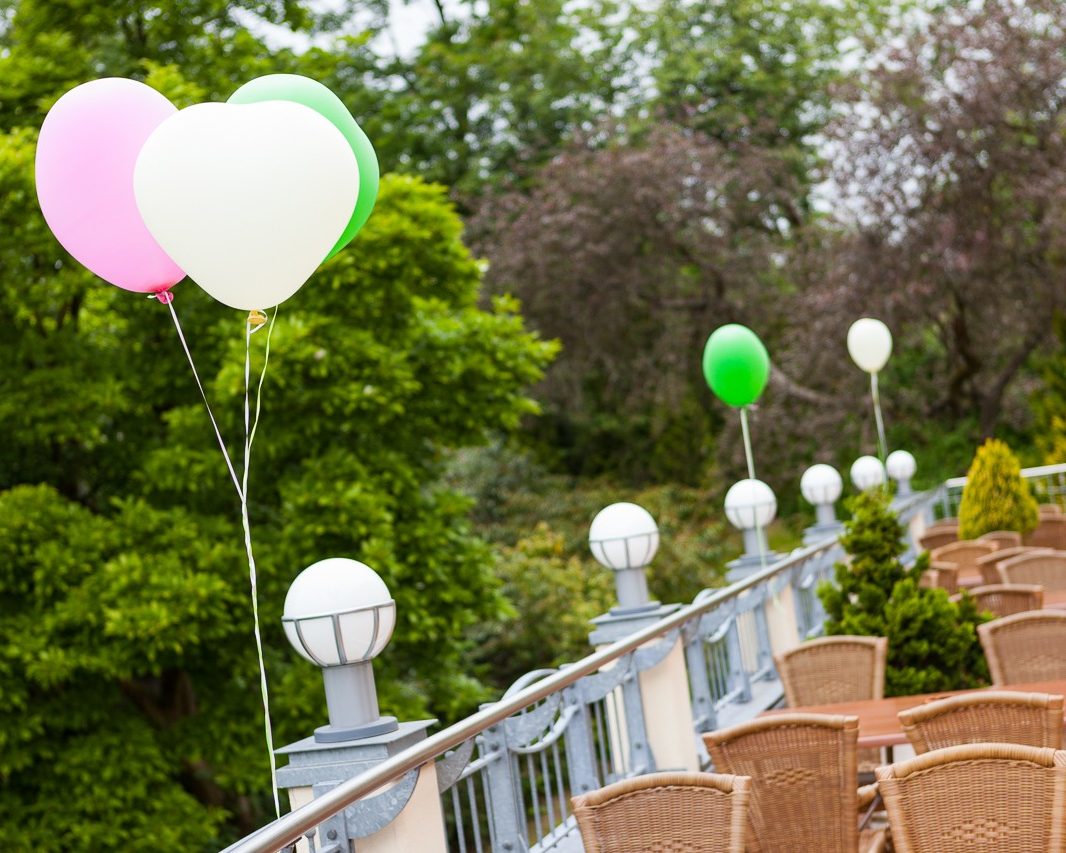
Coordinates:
x,y
451,766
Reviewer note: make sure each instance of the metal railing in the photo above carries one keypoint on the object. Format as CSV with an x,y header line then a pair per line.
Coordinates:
x,y
1048,483
507,772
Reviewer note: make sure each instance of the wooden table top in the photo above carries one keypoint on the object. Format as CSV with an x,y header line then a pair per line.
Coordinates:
x,y
878,721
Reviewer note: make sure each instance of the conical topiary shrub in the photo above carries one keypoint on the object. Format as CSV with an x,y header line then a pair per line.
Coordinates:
x,y
932,641
996,496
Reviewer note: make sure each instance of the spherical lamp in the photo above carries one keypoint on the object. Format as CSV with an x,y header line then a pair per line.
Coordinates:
x,y
867,472
339,615
901,467
821,486
750,504
624,537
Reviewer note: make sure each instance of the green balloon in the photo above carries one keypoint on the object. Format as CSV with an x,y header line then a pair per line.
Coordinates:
x,y
311,93
736,365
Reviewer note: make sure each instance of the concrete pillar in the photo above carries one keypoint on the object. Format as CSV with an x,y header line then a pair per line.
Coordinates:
x,y
419,825
668,713
781,620
663,689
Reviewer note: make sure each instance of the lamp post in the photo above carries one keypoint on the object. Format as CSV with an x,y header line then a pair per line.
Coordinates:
x,y
867,473
821,486
624,537
901,467
339,615
750,505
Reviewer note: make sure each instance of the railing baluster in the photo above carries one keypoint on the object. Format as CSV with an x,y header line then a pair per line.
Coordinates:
x,y
739,672
579,745
639,758
703,713
506,815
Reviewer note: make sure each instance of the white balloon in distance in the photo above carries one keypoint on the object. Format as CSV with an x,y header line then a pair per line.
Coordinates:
x,y
869,344
247,198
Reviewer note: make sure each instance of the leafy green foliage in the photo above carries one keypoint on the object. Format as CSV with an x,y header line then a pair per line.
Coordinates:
x,y
996,496
932,642
130,683
553,595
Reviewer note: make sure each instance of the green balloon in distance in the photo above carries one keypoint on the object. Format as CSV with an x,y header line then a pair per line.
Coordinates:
x,y
736,365
311,93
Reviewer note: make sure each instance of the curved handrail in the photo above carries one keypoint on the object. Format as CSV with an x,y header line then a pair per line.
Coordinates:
x,y
295,824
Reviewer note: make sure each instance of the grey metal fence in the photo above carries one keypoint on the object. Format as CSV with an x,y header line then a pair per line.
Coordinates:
x,y
506,773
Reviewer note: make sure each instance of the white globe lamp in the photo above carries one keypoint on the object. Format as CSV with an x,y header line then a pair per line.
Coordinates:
x,y
750,506
821,486
867,472
624,537
901,467
339,615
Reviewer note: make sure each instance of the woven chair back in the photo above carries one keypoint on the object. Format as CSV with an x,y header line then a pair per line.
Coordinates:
x,y
935,537
965,553
1002,538
1044,567
1025,647
833,669
977,798
1050,533
1006,599
803,776
988,565
991,716
674,812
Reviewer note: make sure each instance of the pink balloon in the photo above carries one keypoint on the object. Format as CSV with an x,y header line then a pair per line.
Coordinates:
x,y
86,152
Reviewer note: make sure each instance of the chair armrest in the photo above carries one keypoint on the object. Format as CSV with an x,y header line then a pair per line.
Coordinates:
x,y
867,794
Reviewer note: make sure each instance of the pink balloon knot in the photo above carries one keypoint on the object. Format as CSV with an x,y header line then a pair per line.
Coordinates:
x,y
165,296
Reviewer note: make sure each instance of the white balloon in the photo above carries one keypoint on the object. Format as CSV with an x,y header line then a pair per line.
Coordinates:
x,y
248,199
869,344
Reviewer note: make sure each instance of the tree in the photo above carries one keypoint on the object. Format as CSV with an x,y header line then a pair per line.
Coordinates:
x,y
126,617
952,177
1049,402
996,496
932,642
631,255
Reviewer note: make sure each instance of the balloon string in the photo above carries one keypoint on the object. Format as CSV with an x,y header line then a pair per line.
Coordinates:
x,y
747,442
881,443
749,456
250,427
222,444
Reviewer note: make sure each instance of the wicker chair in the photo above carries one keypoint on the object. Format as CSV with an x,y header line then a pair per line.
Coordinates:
x,y
991,716
1050,533
964,554
941,576
977,798
1025,647
836,669
803,793
1006,599
1050,509
1002,538
1044,567
988,565
682,812
938,536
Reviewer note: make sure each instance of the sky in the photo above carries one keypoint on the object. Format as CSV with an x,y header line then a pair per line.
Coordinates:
x,y
408,24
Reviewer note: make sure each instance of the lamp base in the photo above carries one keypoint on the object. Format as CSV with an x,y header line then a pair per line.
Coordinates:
x,y
337,734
